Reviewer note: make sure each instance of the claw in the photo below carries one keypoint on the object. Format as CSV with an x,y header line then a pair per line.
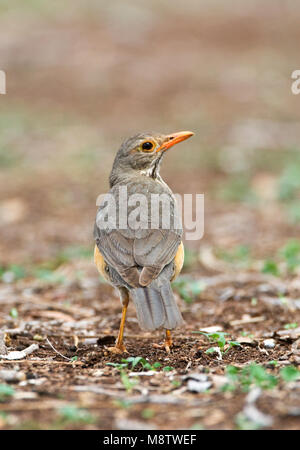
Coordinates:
x,y
117,349
164,346
167,344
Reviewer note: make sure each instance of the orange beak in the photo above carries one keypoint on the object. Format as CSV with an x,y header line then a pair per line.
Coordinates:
x,y
174,138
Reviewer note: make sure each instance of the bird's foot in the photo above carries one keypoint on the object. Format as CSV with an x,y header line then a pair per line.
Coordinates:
x,y
118,349
165,346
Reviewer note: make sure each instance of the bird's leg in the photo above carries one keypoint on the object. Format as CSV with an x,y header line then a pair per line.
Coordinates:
x,y
167,344
120,347
168,341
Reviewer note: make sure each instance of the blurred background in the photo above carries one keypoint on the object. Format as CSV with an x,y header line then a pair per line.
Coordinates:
x,y
81,77
84,75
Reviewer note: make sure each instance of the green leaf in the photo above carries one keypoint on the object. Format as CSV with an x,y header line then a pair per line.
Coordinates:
x,y
168,369
6,391
118,366
127,382
243,423
291,253
210,350
49,276
123,403
253,374
16,272
176,383
156,365
71,413
232,344
270,267
256,374
134,361
289,182
289,373
289,326
13,313
232,372
148,413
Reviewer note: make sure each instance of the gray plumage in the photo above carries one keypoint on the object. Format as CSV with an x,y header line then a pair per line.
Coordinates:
x,y
155,304
141,260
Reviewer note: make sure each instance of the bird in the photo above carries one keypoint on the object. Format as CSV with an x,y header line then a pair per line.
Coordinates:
x,y
141,261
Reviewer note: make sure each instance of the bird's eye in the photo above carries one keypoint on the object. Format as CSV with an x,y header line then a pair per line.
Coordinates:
x,y
147,146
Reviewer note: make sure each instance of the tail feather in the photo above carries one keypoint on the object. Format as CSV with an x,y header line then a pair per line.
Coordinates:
x,y
156,306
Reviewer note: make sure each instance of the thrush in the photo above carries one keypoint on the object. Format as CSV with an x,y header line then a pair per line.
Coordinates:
x,y
140,258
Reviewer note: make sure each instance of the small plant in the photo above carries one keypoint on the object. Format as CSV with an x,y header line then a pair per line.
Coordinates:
x,y
197,426
290,326
176,383
12,273
283,299
291,254
6,391
253,301
256,375
240,255
122,403
147,413
289,373
273,363
71,413
270,267
75,252
139,360
244,378
247,334
168,369
127,382
49,276
13,313
118,366
220,339
132,363
289,182
190,258
243,423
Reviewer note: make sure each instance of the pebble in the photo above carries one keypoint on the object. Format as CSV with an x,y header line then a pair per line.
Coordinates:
x,y
197,382
11,376
269,343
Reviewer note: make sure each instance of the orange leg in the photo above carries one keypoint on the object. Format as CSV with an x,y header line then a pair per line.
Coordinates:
x,y
120,347
167,344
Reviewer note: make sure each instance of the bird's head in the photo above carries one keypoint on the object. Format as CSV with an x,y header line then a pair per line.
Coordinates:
x,y
143,153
